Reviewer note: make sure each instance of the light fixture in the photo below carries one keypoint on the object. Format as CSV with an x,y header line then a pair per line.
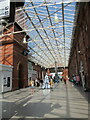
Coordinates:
x,y
79,51
3,22
56,17
24,40
35,63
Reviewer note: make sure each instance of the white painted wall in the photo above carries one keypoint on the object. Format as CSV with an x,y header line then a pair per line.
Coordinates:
x,y
5,74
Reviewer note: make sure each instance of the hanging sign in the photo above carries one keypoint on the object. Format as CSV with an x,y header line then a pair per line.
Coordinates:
x,y
4,8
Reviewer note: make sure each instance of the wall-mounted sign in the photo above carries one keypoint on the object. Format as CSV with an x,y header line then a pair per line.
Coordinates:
x,y
4,8
4,81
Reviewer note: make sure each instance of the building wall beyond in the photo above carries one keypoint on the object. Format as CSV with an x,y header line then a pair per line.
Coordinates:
x,y
79,62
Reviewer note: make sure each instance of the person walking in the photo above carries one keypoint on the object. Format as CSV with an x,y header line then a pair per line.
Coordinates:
x,y
64,79
32,86
47,85
41,83
51,83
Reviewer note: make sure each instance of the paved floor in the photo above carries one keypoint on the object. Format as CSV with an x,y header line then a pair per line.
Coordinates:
x,y
61,102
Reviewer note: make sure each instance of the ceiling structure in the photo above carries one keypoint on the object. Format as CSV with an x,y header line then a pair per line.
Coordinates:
x,y
49,25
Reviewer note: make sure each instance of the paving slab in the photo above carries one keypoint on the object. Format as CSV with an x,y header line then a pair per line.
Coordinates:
x,y
63,101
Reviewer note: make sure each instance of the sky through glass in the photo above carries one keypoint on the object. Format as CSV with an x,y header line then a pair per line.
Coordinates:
x,y
49,25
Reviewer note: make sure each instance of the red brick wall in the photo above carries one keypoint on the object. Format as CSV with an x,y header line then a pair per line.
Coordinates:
x,y
6,48
12,48
88,37
81,43
38,69
6,54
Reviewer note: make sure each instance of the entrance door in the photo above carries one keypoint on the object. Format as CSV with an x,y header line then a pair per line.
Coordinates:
x,y
20,76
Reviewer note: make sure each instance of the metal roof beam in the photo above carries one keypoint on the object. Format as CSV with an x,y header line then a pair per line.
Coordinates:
x,y
43,27
37,53
41,49
38,33
52,25
63,32
54,12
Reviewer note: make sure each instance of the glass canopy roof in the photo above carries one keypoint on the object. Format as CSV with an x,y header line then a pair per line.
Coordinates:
x,y
49,25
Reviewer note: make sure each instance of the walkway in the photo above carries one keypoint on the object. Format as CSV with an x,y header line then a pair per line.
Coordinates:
x,y
61,102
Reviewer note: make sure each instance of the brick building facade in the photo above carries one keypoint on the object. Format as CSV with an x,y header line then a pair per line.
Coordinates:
x,y
12,53
79,62
40,71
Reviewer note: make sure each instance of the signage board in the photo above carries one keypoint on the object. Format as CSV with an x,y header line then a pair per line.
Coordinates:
x,y
4,81
4,8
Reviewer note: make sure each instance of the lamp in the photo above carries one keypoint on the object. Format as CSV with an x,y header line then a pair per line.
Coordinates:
x,y
24,40
4,22
36,64
79,51
55,16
